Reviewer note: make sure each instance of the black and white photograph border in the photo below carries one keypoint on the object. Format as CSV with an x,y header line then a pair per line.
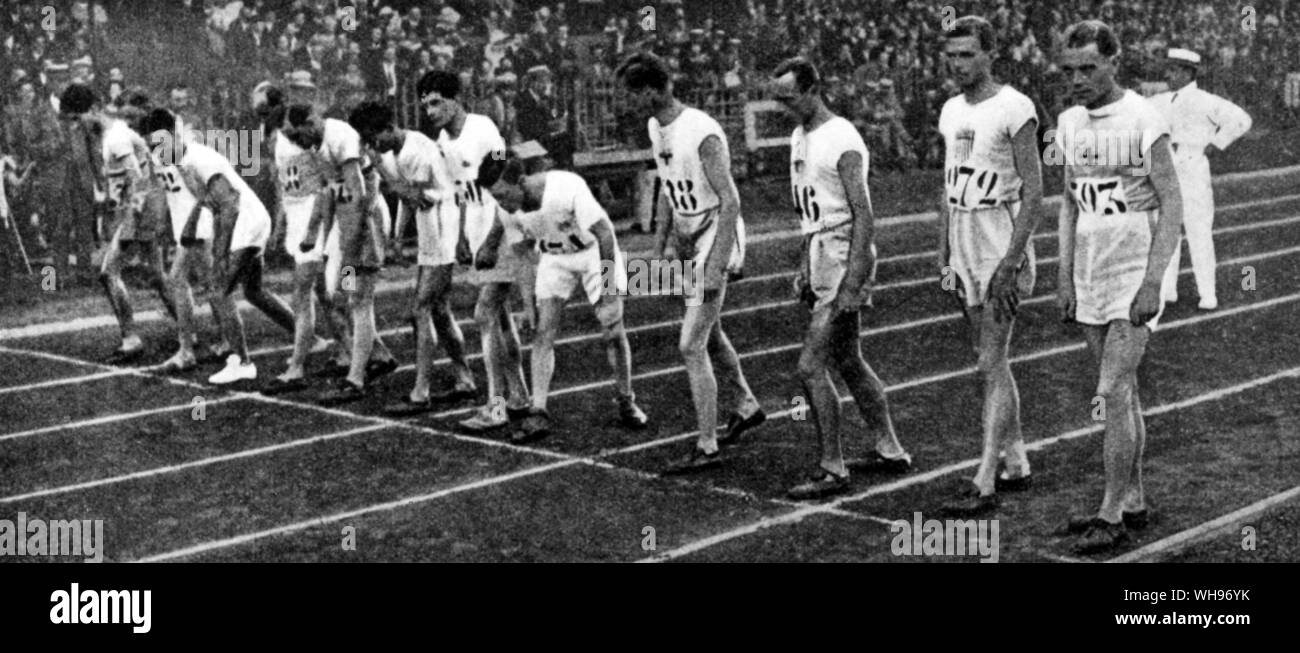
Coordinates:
x,y
114,447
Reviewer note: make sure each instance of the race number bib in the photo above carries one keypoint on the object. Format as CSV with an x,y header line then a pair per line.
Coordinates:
x,y
970,187
341,194
805,202
1099,195
565,246
169,179
468,192
681,194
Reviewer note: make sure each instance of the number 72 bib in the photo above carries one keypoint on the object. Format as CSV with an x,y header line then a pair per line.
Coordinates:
x,y
969,187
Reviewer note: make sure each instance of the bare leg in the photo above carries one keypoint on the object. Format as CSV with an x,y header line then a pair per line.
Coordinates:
x,y
866,387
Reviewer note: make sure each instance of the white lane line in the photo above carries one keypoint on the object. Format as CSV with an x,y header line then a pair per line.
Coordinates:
x,y
67,380
254,396
352,514
1210,529
203,312
110,419
172,469
806,511
800,508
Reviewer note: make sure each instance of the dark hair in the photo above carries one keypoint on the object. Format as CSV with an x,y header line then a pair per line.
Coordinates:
x,y
974,26
498,168
1082,33
371,117
274,97
806,75
643,70
158,120
138,99
76,99
442,82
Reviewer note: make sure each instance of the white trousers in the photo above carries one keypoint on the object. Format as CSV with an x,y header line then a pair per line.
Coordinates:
x,y
1198,223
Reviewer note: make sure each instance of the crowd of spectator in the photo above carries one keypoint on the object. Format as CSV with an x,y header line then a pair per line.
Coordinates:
x,y
527,63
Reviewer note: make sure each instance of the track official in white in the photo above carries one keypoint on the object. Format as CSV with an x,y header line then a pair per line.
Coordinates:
x,y
1199,120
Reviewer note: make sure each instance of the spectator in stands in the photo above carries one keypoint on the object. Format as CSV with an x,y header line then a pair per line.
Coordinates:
x,y
389,75
538,118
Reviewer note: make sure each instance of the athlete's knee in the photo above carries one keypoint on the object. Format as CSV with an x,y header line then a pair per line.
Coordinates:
x,y
991,361
811,367
1116,389
694,350
613,333
485,314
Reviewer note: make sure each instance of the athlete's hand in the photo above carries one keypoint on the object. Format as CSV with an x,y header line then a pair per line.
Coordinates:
x,y
1145,306
803,291
1066,302
1002,290
464,255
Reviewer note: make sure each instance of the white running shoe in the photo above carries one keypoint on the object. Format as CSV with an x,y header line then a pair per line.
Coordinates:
x,y
235,371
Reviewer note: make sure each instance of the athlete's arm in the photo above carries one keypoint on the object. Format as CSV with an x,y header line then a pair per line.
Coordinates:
x,y
348,207
223,200
861,260
943,229
1002,288
1065,238
277,193
1168,231
716,162
1024,150
603,230
663,223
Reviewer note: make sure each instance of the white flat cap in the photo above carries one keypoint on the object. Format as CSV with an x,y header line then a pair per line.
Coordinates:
x,y
1185,56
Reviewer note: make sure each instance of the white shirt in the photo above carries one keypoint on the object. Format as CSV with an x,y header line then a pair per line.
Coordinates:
x,y
421,163
676,149
201,164
298,171
979,158
1198,118
180,201
125,156
1099,146
818,192
563,223
478,139
340,144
